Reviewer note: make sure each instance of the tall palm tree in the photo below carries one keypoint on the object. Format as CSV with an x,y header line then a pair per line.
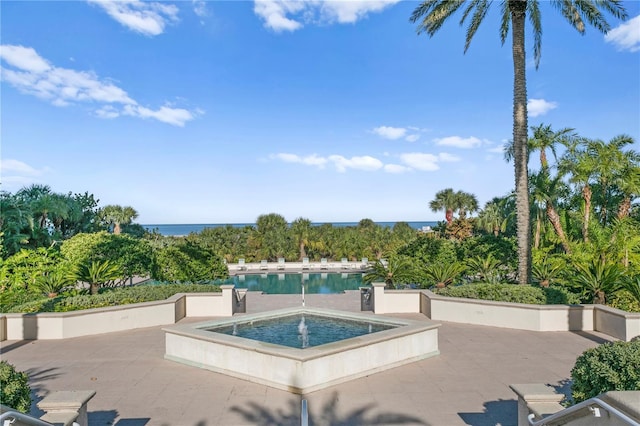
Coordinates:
x,y
611,163
431,15
301,229
544,191
491,219
580,168
117,216
445,200
545,138
465,203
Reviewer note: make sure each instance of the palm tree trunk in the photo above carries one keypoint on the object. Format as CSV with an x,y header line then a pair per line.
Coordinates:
x,y
116,228
624,208
586,194
521,157
557,226
449,216
536,240
303,253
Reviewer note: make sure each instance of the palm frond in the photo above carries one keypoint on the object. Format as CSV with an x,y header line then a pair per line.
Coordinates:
x,y
482,7
533,11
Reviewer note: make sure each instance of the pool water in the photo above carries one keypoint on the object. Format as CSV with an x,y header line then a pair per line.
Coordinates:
x,y
291,283
301,330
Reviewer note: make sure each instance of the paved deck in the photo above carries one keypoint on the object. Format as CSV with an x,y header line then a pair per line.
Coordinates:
x,y
467,384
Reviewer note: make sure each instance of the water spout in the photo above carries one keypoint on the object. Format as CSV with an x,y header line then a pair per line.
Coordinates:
x,y
303,295
304,333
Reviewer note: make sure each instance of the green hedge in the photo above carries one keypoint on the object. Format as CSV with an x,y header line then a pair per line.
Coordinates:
x,y
512,293
608,367
14,388
112,297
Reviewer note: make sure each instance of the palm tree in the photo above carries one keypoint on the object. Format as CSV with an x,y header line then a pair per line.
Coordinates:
x,y
580,166
443,274
611,164
598,280
117,215
545,138
97,274
490,219
465,203
431,15
544,191
301,229
398,270
486,269
445,200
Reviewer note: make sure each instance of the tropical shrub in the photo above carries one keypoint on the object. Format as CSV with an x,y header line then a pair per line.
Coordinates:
x,y
131,255
98,274
188,261
442,274
14,388
485,269
625,301
608,367
502,248
397,270
428,249
56,281
548,270
511,293
112,297
598,280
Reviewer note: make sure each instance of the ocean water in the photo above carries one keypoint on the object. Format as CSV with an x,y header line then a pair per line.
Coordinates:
x,y
175,229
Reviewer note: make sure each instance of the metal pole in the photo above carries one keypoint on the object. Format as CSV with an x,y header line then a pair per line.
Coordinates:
x,y
304,414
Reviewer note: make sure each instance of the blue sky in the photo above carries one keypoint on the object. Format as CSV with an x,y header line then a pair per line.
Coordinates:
x,y
217,112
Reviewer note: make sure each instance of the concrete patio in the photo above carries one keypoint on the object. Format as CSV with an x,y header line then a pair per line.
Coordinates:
x,y
467,384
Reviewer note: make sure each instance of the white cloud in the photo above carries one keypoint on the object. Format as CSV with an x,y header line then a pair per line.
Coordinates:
x,y
17,173
148,18
396,168
395,133
287,15
33,75
24,58
200,8
626,36
390,132
420,161
459,142
536,107
449,158
497,149
365,162
310,160
410,162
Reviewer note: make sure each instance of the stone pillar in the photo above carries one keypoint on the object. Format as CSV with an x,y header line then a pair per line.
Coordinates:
x,y
66,407
379,305
537,399
228,300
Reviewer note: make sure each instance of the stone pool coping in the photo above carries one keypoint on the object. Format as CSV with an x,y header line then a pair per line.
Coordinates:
x,y
302,370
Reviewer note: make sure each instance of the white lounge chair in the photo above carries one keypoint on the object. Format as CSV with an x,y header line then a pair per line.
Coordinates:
x,y
344,263
305,263
241,265
323,263
264,265
281,263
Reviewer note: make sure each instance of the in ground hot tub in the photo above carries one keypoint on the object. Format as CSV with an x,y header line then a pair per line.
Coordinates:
x,y
212,345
